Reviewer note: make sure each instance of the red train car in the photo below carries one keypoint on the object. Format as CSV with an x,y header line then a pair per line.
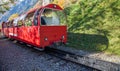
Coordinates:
x,y
40,27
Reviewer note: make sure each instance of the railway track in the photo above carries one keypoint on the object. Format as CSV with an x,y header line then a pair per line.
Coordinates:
x,y
59,54
96,65
55,60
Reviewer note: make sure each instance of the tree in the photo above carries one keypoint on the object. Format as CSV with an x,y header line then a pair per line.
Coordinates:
x,y
5,5
101,17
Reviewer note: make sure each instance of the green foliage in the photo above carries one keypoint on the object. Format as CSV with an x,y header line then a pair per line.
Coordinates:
x,y
89,42
101,17
4,6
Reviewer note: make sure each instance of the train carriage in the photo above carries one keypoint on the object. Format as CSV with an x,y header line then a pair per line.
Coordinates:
x,y
40,27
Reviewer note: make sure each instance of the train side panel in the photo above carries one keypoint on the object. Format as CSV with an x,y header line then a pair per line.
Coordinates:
x,y
10,32
29,35
5,30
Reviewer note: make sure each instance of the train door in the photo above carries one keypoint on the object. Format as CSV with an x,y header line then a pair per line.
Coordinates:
x,y
31,30
21,28
37,22
36,29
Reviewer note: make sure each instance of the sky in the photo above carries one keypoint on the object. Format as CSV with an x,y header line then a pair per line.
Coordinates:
x,y
21,7
8,0
1,2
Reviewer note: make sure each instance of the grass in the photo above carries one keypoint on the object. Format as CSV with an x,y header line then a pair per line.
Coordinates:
x,y
91,43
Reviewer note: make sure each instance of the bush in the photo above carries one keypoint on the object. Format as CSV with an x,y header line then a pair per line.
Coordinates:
x,y
101,17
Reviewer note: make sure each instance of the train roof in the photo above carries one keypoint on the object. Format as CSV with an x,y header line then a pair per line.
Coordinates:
x,y
53,6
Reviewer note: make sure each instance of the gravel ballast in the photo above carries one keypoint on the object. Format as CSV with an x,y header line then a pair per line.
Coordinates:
x,y
18,58
100,55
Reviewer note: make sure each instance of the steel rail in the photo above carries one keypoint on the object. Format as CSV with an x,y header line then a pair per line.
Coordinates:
x,y
95,64
67,56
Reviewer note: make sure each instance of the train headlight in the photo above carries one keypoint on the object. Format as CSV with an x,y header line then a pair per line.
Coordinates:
x,y
45,38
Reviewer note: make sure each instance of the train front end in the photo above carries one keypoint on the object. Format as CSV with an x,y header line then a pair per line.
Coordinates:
x,y
53,29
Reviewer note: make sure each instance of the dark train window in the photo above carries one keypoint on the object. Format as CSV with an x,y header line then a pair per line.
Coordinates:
x,y
35,20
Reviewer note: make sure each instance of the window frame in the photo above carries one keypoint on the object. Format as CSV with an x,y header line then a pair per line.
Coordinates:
x,y
31,21
54,10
